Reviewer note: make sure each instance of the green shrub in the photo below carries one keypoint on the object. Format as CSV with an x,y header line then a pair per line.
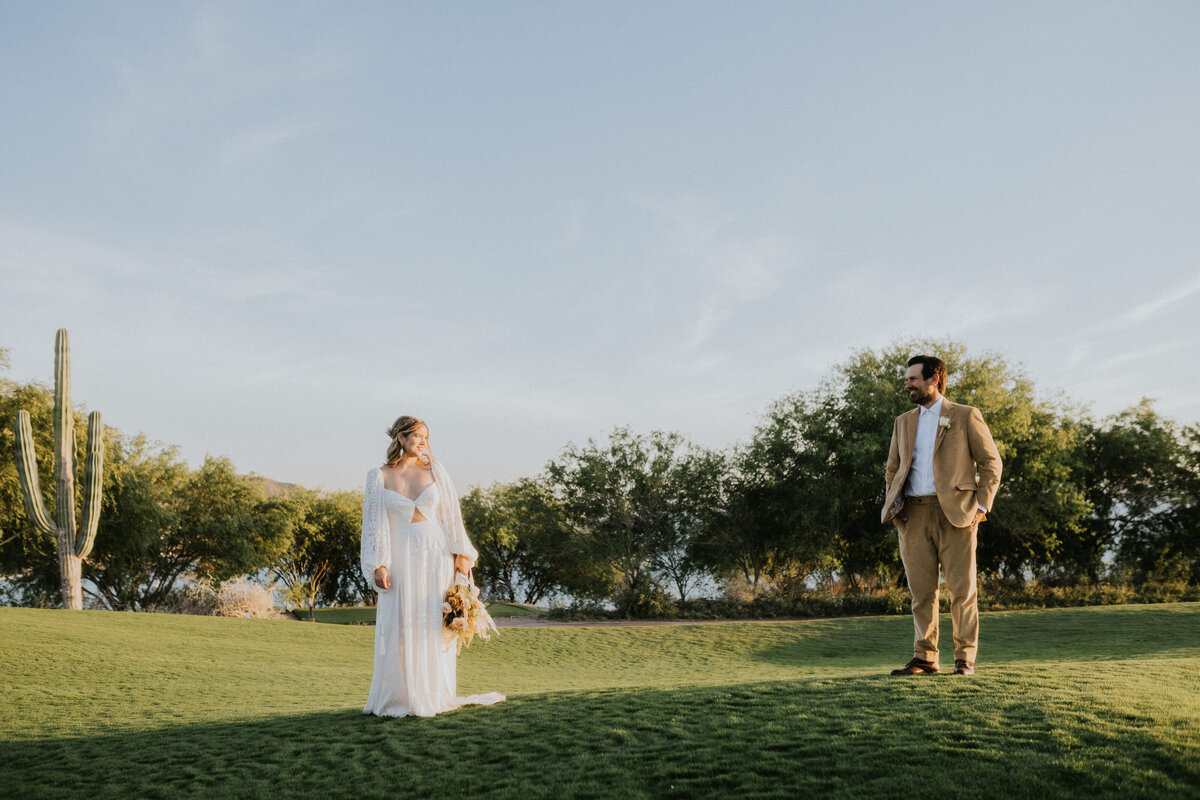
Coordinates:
x,y
579,610
994,595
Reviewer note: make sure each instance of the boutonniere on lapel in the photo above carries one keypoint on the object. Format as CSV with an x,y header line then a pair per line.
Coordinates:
x,y
944,423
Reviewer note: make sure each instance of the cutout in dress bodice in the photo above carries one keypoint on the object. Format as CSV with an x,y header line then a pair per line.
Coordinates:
x,y
425,503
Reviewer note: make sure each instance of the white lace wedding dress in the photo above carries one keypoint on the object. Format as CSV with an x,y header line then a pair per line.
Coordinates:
x,y
415,669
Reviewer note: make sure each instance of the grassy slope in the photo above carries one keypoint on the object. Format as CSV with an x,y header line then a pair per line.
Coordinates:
x,y
1087,702
498,609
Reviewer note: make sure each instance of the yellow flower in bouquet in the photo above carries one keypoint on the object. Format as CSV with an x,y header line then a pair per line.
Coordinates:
x,y
464,616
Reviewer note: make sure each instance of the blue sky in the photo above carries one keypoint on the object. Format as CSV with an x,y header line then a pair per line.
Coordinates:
x,y
273,227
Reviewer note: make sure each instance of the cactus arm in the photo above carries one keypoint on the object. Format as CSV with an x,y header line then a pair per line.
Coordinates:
x,y
93,477
64,438
27,472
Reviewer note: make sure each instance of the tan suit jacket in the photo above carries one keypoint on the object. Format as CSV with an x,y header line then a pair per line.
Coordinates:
x,y
966,465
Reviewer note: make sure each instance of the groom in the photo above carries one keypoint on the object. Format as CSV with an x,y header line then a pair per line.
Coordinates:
x,y
942,474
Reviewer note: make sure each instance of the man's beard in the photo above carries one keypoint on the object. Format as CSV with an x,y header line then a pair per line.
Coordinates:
x,y
921,398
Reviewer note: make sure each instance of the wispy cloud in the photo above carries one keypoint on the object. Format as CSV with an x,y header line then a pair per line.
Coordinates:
x,y
1121,359
74,269
1082,341
1151,308
259,140
703,259
209,70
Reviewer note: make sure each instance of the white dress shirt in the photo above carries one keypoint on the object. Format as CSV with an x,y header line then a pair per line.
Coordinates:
x,y
920,474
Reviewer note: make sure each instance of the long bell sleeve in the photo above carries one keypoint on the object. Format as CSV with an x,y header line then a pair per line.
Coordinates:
x,y
450,516
376,550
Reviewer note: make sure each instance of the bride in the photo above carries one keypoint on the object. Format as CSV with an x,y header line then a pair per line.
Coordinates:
x,y
413,543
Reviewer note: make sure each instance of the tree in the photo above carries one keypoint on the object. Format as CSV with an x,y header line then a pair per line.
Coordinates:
x,y
338,517
167,524
137,561
816,465
301,567
226,526
487,518
4,366
160,522
693,490
1042,500
751,531
817,460
1128,465
628,502
325,542
1180,547
28,559
1157,513
524,544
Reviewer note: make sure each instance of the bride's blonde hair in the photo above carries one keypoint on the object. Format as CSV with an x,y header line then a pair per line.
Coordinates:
x,y
402,428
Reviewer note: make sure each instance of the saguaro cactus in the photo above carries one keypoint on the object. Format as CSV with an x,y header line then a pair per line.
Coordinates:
x,y
74,543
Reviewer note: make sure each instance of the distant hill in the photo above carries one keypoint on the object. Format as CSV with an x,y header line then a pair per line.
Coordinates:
x,y
273,488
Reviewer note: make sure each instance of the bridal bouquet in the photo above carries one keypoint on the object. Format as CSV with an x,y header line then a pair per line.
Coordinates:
x,y
464,616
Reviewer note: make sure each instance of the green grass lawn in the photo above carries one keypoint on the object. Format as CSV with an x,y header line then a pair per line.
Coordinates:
x,y
498,609
1084,702
359,615
366,614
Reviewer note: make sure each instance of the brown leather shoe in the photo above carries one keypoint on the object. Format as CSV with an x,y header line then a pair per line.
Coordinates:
x,y
963,667
917,667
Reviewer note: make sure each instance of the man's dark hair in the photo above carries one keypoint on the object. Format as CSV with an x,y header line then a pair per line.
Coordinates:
x,y
930,366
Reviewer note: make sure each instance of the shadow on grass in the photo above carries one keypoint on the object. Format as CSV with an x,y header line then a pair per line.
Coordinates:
x,y
1069,634
850,737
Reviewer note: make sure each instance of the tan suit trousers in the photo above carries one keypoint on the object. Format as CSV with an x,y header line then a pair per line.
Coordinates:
x,y
927,541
